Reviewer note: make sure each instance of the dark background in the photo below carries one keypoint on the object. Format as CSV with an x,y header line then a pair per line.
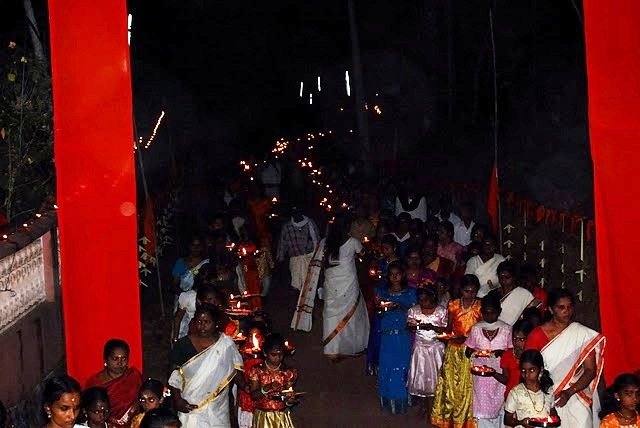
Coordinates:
x,y
228,75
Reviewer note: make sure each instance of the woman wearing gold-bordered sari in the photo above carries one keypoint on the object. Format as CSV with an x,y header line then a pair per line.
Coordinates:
x,y
207,363
454,393
574,356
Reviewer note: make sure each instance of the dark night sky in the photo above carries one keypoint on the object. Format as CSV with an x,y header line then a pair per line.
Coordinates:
x,y
242,64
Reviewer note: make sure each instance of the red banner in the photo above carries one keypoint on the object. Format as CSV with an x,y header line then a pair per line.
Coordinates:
x,y
613,66
95,179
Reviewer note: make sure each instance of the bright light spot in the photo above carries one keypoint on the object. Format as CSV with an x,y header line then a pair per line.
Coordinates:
x,y
347,82
301,88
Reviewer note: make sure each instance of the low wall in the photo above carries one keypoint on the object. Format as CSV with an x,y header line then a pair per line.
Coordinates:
x,y
31,327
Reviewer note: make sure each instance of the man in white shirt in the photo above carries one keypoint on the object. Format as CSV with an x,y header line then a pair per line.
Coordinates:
x,y
462,230
485,266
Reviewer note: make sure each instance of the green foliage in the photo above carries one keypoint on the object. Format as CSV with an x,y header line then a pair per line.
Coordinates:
x,y
26,131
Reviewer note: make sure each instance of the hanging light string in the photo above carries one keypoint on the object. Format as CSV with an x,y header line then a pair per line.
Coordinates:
x,y
155,130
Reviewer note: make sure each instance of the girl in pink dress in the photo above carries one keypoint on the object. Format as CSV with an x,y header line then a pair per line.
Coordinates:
x,y
426,359
486,343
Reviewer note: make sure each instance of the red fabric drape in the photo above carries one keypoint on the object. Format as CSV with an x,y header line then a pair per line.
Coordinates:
x,y
93,144
493,200
613,71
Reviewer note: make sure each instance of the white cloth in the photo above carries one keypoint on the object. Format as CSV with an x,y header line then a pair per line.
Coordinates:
x,y
187,302
514,303
238,223
271,177
341,292
245,419
419,212
528,404
242,282
204,375
462,233
303,315
402,239
187,278
563,357
485,271
298,265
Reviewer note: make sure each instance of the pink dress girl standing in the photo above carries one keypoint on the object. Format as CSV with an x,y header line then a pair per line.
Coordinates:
x,y
428,351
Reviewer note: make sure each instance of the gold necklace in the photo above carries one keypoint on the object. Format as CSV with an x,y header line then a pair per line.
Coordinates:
x,y
270,369
490,334
533,402
627,418
469,307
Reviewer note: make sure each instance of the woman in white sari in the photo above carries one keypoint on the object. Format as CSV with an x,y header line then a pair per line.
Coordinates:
x,y
303,316
345,319
207,363
574,356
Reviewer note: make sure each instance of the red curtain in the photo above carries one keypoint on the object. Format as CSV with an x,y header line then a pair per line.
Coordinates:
x,y
612,33
493,200
95,179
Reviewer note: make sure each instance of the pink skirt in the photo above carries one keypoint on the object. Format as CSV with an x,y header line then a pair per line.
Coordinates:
x,y
426,361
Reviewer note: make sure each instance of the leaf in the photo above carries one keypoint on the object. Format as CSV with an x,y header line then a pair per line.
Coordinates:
x,y
11,77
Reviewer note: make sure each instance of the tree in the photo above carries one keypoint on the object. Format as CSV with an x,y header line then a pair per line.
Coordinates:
x,y
26,134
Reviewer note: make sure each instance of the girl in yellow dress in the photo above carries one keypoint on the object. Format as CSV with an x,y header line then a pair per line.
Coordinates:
x,y
454,393
620,406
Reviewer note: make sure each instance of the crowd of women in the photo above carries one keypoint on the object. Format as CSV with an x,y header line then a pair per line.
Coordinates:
x,y
445,322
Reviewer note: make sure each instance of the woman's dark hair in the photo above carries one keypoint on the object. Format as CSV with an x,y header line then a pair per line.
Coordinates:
x,y
212,311
531,314
206,289
55,387
533,356
337,235
448,228
152,385
93,395
274,340
430,292
508,266
389,239
609,403
492,301
523,326
400,267
469,279
112,345
160,418
555,294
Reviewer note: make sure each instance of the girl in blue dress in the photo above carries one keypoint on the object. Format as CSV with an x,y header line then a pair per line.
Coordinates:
x,y
395,340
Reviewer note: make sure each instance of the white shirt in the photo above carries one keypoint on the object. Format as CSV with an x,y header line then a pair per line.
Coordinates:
x,y
485,271
514,303
462,233
525,403
420,212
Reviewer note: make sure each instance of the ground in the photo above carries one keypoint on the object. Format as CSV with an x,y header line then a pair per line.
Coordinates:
x,y
338,395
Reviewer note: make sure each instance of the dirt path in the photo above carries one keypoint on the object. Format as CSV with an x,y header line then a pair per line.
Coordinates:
x,y
338,395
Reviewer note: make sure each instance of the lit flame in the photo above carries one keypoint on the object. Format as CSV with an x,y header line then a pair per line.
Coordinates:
x,y
238,305
255,341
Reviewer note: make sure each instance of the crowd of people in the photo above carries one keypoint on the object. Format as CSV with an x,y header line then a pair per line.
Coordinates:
x,y
421,295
